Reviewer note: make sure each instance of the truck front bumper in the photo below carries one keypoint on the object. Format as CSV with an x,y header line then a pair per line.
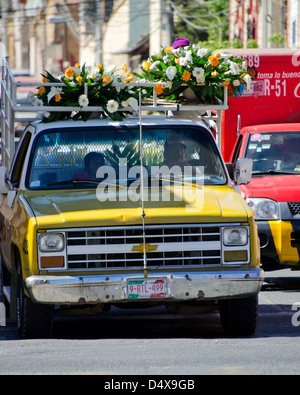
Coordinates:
x,y
113,288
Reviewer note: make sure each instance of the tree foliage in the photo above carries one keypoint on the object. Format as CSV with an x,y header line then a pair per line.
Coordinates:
x,y
211,18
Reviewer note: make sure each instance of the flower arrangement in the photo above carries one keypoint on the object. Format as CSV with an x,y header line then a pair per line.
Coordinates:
x,y
88,86
185,66
176,69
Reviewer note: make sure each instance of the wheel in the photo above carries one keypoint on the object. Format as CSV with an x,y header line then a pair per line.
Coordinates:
x,y
33,320
239,316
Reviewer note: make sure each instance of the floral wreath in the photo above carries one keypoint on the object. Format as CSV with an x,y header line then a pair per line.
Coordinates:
x,y
176,69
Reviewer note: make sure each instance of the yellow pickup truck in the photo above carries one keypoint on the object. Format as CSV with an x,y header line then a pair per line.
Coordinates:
x,y
136,212
71,239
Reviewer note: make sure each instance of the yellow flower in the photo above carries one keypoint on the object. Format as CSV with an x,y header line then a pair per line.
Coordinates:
x,y
169,49
124,68
79,79
58,97
77,65
159,89
69,72
186,76
214,73
41,90
146,65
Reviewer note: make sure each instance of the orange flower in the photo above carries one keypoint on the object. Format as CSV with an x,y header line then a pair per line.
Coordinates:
x,y
213,60
146,65
124,68
186,76
226,83
41,90
217,54
159,89
106,79
79,79
58,97
169,49
77,65
69,72
99,66
214,73
45,79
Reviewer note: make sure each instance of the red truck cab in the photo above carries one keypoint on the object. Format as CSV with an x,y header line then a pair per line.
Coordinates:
x,y
274,191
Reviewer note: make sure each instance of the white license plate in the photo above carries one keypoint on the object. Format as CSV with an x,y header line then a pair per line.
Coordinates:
x,y
142,288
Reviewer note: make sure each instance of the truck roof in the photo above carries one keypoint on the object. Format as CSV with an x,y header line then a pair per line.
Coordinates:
x,y
275,127
129,121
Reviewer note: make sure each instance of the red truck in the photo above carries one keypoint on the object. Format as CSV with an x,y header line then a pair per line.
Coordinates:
x,y
264,124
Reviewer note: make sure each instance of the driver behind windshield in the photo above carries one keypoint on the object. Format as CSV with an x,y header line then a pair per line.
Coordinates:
x,y
92,161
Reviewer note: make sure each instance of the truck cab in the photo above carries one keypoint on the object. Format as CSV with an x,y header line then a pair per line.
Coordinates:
x,y
274,191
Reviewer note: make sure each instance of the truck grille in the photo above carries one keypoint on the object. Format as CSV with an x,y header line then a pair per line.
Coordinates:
x,y
294,207
122,247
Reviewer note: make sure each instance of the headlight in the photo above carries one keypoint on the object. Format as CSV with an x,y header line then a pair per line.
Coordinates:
x,y
264,208
51,242
235,236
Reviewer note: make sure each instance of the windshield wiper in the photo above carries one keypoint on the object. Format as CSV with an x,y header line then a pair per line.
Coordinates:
x,y
274,172
72,182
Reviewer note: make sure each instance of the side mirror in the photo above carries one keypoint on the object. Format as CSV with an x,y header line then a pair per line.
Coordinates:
x,y
243,171
3,177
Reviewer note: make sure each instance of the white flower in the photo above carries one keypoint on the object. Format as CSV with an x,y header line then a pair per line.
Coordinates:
x,y
182,61
171,72
133,103
236,83
153,66
93,72
38,102
83,101
112,106
189,56
111,69
202,52
76,70
198,73
234,68
53,92
247,80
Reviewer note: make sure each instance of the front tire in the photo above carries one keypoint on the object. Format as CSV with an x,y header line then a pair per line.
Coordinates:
x,y
239,316
33,320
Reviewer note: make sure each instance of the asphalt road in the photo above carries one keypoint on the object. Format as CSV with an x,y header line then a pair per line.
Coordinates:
x,y
157,342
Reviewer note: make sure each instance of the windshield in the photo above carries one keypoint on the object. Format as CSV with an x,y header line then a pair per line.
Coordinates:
x,y
274,153
76,158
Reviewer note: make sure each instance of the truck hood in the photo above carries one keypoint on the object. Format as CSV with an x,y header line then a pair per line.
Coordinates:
x,y
284,188
82,208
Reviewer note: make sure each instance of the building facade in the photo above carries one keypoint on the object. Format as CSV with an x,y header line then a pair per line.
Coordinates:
x,y
266,23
